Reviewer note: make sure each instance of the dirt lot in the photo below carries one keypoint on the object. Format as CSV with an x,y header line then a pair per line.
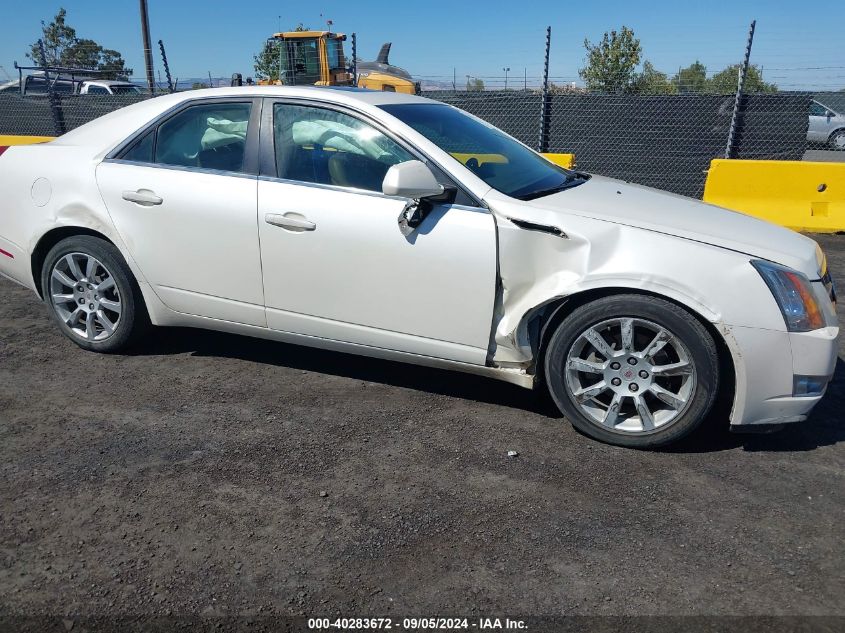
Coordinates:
x,y
217,475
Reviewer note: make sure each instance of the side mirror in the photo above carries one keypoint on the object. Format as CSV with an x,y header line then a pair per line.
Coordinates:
x,y
412,179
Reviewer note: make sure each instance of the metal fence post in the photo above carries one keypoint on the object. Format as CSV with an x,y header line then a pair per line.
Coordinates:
x,y
740,87
543,143
166,67
55,106
148,49
355,59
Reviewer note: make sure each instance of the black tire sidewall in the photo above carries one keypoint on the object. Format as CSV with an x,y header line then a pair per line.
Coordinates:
x,y
130,295
679,322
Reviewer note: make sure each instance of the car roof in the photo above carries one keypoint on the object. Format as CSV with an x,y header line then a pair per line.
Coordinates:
x,y
343,94
109,130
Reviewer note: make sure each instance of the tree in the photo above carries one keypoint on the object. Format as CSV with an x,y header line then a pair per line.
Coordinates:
x,y
611,64
63,48
653,82
725,81
474,84
693,78
266,62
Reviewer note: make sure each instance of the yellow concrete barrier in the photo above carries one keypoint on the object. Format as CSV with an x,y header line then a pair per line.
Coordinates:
x,y
8,140
805,196
564,160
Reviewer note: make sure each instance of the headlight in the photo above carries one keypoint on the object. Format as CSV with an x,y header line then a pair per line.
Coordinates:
x,y
794,296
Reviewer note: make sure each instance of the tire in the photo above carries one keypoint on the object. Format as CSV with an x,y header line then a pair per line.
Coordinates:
x,y
671,367
101,297
837,140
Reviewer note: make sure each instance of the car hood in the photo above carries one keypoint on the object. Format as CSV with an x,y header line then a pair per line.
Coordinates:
x,y
654,210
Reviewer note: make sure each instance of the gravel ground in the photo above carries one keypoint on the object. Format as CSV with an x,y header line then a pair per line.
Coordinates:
x,y
216,475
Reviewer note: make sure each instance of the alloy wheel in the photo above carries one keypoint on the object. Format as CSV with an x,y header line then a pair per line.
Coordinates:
x,y
630,375
85,296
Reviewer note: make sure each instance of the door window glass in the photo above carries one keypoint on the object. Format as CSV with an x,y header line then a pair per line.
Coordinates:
x,y
141,150
328,147
211,136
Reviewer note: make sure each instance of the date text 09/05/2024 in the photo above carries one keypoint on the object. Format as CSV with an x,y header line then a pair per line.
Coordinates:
x,y
412,624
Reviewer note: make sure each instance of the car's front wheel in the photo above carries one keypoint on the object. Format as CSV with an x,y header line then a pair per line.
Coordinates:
x,y
91,294
633,370
837,140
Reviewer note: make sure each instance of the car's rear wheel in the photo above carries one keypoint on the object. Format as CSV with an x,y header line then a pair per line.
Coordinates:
x,y
837,140
91,294
633,370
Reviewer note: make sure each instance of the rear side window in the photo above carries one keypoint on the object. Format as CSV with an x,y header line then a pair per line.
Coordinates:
x,y
141,151
211,136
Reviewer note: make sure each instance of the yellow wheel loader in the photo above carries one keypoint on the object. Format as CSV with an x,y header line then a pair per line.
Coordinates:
x,y
317,58
382,75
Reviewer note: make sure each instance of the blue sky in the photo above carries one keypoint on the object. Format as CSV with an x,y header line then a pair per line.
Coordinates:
x,y
799,46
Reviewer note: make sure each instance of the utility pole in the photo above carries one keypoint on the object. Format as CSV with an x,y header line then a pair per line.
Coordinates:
x,y
525,79
148,49
507,70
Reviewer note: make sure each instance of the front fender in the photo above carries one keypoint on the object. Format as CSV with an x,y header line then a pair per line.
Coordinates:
x,y
538,268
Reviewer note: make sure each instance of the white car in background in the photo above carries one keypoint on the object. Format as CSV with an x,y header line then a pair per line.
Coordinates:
x,y
826,126
393,226
109,87
37,84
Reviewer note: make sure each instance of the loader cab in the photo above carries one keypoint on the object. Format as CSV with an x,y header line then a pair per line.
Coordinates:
x,y
312,58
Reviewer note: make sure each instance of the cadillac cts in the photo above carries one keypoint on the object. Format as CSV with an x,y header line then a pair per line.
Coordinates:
x,y
393,226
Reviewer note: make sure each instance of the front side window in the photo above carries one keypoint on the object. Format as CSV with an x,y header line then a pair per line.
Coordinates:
x,y
97,90
211,136
499,160
324,146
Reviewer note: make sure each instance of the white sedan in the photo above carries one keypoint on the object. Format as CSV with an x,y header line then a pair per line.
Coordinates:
x,y
393,226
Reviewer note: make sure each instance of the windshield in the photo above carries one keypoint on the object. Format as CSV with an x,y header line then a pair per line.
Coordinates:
x,y
496,158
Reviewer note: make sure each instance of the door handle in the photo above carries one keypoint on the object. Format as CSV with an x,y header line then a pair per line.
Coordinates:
x,y
144,197
290,221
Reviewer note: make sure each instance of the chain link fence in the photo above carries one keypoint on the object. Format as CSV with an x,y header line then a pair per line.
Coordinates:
x,y
664,141
663,136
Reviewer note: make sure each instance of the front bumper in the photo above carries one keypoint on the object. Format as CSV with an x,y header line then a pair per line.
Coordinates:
x,y
767,362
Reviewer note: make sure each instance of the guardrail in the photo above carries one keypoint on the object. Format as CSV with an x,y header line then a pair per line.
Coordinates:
x,y
805,196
